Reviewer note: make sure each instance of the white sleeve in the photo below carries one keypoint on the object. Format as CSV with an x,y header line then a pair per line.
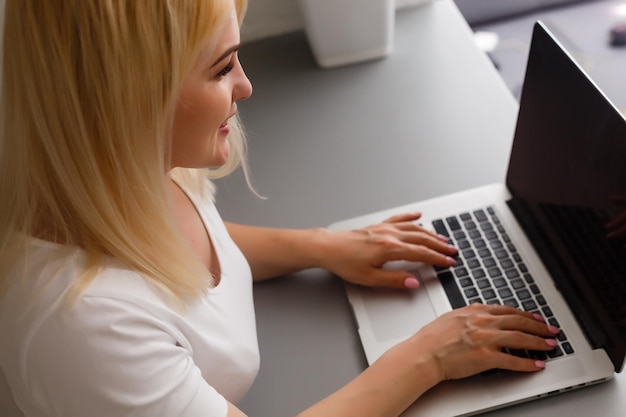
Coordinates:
x,y
105,357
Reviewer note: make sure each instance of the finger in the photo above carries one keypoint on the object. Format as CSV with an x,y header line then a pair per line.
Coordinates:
x,y
429,240
414,227
422,253
393,279
404,217
526,325
510,362
524,341
501,309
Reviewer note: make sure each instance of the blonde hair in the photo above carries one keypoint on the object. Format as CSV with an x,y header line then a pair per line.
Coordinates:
x,y
88,93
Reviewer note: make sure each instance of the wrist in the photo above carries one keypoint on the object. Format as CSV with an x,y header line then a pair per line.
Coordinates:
x,y
421,363
320,249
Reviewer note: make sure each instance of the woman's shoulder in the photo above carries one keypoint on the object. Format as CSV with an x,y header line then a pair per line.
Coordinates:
x,y
48,277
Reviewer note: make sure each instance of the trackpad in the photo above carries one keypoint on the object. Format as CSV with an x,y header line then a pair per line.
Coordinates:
x,y
398,313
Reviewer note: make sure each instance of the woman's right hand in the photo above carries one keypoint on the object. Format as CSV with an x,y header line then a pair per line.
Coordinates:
x,y
458,344
467,341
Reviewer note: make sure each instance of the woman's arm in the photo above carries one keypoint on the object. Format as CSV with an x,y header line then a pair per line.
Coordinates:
x,y
355,255
458,344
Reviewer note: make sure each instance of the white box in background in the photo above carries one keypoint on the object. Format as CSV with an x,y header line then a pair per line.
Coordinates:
x,y
343,32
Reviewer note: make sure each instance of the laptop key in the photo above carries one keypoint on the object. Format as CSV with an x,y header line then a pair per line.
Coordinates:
x,y
494,272
491,235
538,354
489,294
473,264
567,347
471,292
459,235
466,282
505,293
506,263
511,273
468,254
517,284
489,262
440,227
483,283
511,302
556,352
495,244
480,243
452,289
463,244
461,272
501,254
453,223
474,234
499,282
480,215
478,273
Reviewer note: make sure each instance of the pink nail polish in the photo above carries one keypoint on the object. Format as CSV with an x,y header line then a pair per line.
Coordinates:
x,y
554,329
443,238
540,364
411,283
539,317
552,342
450,261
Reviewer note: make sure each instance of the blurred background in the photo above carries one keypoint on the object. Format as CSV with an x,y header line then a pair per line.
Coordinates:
x,y
503,29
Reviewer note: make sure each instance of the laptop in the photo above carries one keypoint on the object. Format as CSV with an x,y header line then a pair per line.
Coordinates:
x,y
551,240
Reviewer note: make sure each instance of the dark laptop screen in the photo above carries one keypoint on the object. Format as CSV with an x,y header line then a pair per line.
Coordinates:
x,y
567,174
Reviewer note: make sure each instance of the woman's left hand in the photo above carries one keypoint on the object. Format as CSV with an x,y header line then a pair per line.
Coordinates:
x,y
358,256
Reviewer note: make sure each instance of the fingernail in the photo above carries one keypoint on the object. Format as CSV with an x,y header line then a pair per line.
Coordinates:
x,y
450,261
552,342
443,238
540,364
538,317
411,283
554,329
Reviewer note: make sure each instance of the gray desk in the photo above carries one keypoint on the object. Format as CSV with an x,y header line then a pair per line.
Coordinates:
x,y
332,144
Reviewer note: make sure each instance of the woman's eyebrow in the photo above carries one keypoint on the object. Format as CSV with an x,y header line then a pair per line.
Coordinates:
x,y
225,54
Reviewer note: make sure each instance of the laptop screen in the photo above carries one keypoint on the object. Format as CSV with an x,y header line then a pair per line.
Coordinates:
x,y
567,175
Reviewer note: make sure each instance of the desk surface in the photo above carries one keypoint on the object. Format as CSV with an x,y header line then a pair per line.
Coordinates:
x,y
326,145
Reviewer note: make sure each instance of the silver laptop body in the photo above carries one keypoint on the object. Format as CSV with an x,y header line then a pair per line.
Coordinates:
x,y
569,146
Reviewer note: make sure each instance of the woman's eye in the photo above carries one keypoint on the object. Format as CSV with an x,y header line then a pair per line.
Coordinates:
x,y
225,70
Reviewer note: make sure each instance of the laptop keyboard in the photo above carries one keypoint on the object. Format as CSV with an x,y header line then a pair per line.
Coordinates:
x,y
490,270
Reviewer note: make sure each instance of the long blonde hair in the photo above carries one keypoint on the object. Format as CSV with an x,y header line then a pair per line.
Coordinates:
x,y
88,92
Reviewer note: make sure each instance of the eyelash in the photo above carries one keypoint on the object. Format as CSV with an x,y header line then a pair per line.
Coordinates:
x,y
224,71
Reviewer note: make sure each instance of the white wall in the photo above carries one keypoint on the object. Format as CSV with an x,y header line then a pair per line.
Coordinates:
x,y
273,17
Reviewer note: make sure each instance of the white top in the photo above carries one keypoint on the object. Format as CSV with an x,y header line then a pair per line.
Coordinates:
x,y
122,350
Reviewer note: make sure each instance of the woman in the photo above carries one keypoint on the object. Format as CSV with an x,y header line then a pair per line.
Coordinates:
x,y
122,292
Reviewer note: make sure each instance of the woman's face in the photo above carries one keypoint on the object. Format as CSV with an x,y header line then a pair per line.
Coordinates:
x,y
208,99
